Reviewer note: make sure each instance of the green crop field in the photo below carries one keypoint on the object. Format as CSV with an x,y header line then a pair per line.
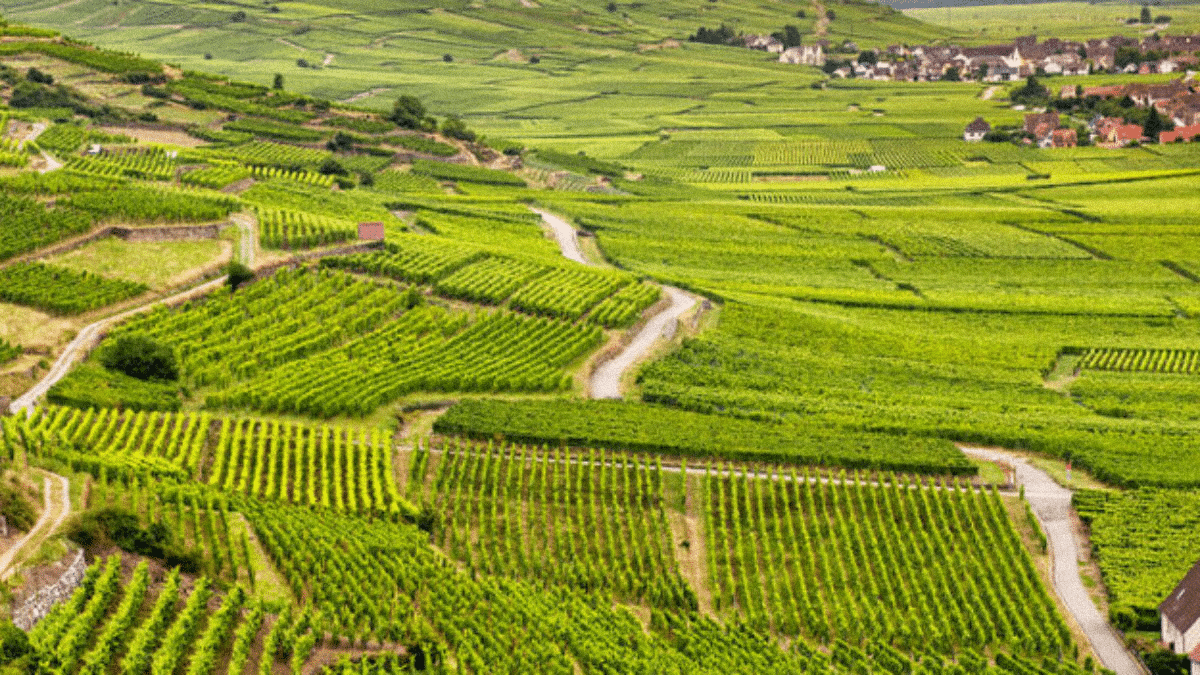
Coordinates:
x,y
288,449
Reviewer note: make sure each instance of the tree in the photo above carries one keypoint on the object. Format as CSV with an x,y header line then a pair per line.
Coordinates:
x,y
14,643
303,63
237,274
409,112
1032,93
35,75
341,142
141,357
448,58
1146,18
278,81
612,7
867,57
238,16
454,127
332,167
952,75
790,37
715,36
1154,124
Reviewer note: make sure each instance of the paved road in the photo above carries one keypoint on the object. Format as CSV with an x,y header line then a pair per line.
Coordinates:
x,y
43,528
564,234
1052,504
606,380
88,337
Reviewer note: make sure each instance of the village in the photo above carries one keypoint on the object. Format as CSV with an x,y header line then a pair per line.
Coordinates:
x,y
1021,58
1174,117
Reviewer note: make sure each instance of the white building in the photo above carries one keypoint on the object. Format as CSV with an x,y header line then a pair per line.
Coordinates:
x,y
804,55
1180,616
976,130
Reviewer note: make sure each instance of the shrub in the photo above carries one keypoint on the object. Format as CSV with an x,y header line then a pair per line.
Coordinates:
x,y
139,356
14,643
115,525
35,75
237,274
16,507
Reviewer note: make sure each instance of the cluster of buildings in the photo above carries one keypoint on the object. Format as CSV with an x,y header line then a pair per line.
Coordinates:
x,y
1174,101
1016,60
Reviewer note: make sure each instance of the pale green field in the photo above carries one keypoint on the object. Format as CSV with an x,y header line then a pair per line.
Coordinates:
x,y
1065,20
155,264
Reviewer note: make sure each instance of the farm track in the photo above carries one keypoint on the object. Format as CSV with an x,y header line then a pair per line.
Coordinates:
x,y
89,336
606,379
1051,504
58,509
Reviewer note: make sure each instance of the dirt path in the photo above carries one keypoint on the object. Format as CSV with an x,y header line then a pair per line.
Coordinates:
x,y
247,224
821,29
56,506
989,93
606,380
52,164
1052,505
328,59
365,94
89,336
564,234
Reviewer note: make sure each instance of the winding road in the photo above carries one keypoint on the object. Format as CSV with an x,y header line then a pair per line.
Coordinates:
x,y
43,528
606,379
89,336
1052,505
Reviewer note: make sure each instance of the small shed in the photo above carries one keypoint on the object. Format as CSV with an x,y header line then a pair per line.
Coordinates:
x,y
976,130
1180,615
372,231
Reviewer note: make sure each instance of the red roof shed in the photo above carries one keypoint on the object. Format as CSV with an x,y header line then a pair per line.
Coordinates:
x,y
370,231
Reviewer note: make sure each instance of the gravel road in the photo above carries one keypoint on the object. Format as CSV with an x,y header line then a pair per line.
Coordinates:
x,y
564,234
88,337
1052,505
39,531
606,380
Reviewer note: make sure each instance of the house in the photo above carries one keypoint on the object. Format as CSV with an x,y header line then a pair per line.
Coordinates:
x,y
764,43
1180,616
1125,134
804,55
1184,134
976,130
370,231
1064,138
1035,120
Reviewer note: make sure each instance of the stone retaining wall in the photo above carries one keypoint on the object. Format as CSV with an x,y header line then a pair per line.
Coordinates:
x,y
36,607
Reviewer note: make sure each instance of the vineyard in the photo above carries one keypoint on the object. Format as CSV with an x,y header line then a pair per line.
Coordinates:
x,y
217,176
26,225
137,626
147,205
592,522
146,164
281,228
941,568
63,291
464,272
643,428
1173,361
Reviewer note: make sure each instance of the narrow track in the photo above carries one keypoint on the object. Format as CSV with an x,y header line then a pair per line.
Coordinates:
x,y
606,380
88,337
56,507
1051,504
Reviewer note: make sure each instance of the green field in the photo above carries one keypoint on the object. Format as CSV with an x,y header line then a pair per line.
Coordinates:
x,y
379,457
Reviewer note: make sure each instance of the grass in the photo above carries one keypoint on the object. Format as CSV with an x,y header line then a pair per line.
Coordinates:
x,y
1066,20
29,327
156,264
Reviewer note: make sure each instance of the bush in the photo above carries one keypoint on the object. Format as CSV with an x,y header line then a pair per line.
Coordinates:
x,y
454,127
35,75
409,112
1165,662
117,526
139,356
16,507
14,643
237,274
